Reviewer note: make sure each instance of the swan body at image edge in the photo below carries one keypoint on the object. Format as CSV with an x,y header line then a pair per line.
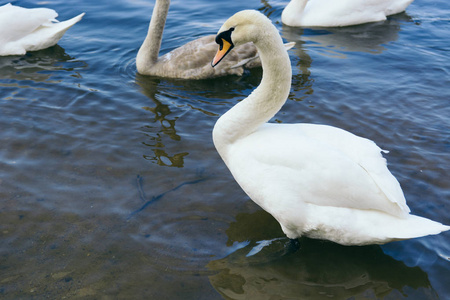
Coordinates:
x,y
331,13
315,180
24,29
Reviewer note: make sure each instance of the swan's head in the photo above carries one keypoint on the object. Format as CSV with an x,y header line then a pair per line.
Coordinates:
x,y
244,26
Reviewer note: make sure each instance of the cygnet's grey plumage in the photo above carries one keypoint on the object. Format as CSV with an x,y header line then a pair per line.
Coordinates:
x,y
192,60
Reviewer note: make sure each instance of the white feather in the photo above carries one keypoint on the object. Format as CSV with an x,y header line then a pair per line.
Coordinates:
x,y
332,13
23,29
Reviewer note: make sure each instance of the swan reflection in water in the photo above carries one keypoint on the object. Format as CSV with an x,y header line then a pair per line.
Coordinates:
x,y
161,130
172,99
335,41
40,66
317,270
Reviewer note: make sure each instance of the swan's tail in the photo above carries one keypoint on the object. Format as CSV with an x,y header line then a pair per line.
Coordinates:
x,y
60,28
390,228
364,227
415,226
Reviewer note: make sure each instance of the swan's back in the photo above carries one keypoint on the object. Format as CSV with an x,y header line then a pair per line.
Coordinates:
x,y
23,29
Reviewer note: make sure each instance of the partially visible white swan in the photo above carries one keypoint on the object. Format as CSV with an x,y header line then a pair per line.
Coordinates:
x,y
316,180
192,60
332,13
23,29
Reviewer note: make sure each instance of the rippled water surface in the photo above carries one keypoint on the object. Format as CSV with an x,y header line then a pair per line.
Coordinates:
x,y
110,186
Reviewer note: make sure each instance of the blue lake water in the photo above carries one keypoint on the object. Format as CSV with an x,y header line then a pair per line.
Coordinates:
x,y
110,186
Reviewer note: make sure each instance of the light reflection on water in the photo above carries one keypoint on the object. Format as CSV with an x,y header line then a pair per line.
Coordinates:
x,y
110,185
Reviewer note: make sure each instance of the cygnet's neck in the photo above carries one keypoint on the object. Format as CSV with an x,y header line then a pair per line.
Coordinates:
x,y
266,100
149,51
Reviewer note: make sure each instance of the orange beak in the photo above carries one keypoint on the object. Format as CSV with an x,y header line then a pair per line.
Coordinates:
x,y
224,48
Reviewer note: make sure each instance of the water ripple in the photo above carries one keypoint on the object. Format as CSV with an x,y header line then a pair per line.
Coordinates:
x,y
183,240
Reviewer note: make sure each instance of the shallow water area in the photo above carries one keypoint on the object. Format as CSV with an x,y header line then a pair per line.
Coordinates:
x,y
110,186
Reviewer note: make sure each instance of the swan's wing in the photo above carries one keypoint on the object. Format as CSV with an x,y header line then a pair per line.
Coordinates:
x,y
296,163
48,35
23,29
245,55
366,154
289,45
17,22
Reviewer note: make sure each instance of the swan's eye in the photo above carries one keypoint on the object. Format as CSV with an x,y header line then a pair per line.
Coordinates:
x,y
224,35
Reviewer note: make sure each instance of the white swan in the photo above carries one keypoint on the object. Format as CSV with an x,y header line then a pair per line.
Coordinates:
x,y
192,60
316,180
332,13
23,29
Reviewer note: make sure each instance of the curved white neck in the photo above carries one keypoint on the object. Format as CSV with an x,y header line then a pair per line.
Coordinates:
x,y
298,6
149,51
265,101
293,10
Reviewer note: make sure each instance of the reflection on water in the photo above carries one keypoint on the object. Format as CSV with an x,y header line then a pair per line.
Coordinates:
x,y
370,38
32,65
168,106
166,123
318,270
301,79
39,70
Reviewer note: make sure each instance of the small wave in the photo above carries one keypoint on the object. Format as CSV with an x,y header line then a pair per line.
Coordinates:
x,y
125,66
